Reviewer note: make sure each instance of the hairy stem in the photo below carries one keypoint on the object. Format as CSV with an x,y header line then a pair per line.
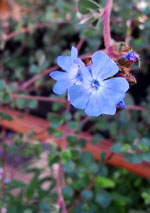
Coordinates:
x,y
107,34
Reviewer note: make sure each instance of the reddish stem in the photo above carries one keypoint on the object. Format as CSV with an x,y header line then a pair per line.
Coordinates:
x,y
47,71
36,77
61,201
80,43
107,34
3,164
23,30
39,98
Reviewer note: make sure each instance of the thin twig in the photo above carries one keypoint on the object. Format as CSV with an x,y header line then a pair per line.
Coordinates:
x,y
80,43
62,100
136,107
47,71
36,77
24,30
61,201
3,163
39,98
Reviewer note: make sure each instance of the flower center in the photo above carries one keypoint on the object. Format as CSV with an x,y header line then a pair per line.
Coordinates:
x,y
95,84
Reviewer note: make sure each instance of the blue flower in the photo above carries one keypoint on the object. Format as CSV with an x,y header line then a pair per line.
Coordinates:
x,y
131,56
98,94
122,104
72,74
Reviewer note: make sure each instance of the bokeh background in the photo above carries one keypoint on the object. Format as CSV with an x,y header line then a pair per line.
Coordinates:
x,y
32,35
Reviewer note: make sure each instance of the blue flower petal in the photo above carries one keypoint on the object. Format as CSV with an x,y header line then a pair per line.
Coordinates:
x,y
64,62
93,107
73,71
102,66
78,96
86,75
116,84
59,75
61,86
106,105
74,53
114,97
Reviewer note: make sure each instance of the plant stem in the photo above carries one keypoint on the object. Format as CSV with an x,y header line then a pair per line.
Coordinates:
x,y
47,71
36,77
61,201
38,98
107,34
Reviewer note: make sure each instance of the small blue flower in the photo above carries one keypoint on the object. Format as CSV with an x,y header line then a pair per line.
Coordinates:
x,y
97,94
131,56
122,104
72,74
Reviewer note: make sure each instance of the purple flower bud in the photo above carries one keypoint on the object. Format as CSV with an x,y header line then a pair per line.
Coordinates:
x,y
122,104
131,56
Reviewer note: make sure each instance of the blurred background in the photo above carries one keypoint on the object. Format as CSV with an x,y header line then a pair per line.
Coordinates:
x,y
33,119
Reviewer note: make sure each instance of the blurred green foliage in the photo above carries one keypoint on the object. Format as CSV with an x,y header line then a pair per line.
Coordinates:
x,y
53,27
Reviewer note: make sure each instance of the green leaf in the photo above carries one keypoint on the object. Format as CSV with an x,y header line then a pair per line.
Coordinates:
x,y
68,166
67,192
5,116
85,5
145,141
137,158
87,158
67,116
96,139
81,143
55,120
72,140
66,155
21,103
32,104
15,184
73,124
87,195
34,69
103,171
146,157
6,97
2,85
53,158
103,182
117,148
103,199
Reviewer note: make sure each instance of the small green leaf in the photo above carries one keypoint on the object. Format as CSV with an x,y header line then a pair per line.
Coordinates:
x,y
103,199
87,195
85,5
5,116
117,148
67,192
34,69
66,155
137,158
21,103
68,166
103,182
87,158
146,157
2,85
32,104
145,141
55,120
15,184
